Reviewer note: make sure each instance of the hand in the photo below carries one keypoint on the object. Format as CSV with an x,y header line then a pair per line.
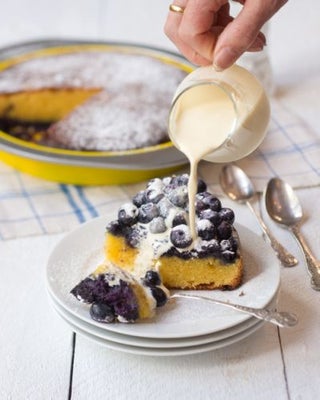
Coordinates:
x,y
205,33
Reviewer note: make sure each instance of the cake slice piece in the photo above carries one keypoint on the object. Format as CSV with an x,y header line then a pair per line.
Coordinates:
x,y
153,229
115,295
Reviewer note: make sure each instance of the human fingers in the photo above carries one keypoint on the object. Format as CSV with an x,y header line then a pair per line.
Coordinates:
x,y
202,23
172,30
243,33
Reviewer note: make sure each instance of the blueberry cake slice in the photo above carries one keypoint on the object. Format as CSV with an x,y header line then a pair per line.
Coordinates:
x,y
115,295
152,231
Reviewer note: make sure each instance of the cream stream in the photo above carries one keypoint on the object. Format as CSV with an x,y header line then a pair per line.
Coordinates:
x,y
205,118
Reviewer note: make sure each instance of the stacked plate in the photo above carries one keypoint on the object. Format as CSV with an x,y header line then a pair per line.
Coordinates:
x,y
183,326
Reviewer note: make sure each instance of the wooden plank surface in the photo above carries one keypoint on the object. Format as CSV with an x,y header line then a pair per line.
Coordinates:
x,y
36,347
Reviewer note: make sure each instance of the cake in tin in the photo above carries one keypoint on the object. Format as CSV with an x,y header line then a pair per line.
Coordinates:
x,y
92,100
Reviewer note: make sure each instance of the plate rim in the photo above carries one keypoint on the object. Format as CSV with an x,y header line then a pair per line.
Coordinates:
x,y
123,328
153,343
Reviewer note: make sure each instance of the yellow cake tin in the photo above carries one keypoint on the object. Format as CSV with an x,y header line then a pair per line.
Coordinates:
x,y
88,167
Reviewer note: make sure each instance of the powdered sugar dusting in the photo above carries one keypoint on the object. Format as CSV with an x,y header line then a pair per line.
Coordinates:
x,y
89,69
131,110
129,119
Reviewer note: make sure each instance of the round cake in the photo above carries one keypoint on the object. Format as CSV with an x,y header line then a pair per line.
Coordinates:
x,y
89,100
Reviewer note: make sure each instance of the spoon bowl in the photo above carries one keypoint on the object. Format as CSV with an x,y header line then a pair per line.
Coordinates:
x,y
282,203
283,207
238,187
236,184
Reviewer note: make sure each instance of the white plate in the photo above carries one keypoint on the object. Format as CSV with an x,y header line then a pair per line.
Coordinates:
x,y
152,343
153,351
81,251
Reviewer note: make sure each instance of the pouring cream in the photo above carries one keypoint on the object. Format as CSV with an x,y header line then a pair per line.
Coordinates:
x,y
219,117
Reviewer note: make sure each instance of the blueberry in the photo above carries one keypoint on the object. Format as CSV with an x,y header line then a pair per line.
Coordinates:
x,y
133,237
155,183
212,216
206,229
179,196
139,198
229,244
227,214
200,206
157,225
102,312
209,200
147,212
127,214
180,236
164,207
224,230
202,187
153,195
159,295
210,247
114,227
152,278
166,180
181,180
179,219
229,255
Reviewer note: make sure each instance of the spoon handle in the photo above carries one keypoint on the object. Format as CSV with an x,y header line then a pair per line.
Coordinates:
x,y
312,264
286,259
282,319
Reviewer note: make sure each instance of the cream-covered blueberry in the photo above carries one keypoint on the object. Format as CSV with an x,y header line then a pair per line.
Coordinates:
x,y
147,212
157,225
153,195
133,237
209,248
181,180
212,216
180,236
139,198
206,229
179,196
127,214
165,206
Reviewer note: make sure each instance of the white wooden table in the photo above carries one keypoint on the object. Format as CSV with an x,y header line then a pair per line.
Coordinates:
x,y
40,357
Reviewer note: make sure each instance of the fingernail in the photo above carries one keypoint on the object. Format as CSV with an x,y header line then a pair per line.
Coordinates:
x,y
224,58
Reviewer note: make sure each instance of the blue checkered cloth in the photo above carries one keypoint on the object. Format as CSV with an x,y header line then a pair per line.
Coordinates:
x,y
31,206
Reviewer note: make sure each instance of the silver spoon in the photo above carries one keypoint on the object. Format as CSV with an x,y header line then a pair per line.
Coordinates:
x,y
237,185
283,206
282,319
